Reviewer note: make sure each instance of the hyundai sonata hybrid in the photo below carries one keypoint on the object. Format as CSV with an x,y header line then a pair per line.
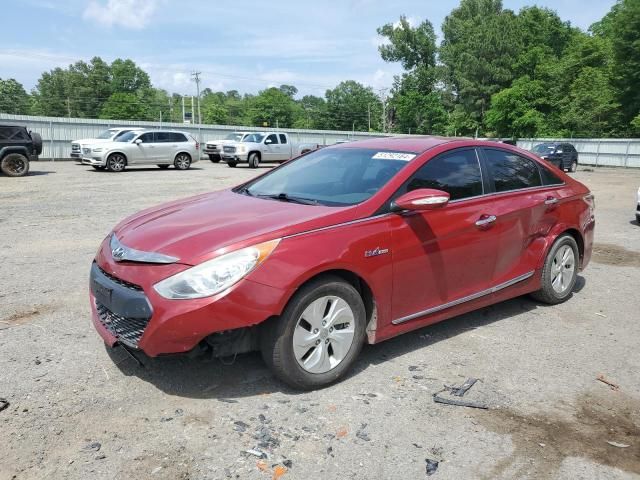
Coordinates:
x,y
347,245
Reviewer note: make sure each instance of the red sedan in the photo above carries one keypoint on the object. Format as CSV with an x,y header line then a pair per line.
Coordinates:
x,y
349,244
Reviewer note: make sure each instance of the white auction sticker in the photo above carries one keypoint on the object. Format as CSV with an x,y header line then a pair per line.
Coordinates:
x,y
393,156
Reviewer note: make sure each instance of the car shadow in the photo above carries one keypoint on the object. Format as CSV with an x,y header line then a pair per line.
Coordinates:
x,y
37,173
246,375
142,169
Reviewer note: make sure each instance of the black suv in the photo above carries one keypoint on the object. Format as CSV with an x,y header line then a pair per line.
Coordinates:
x,y
562,155
17,147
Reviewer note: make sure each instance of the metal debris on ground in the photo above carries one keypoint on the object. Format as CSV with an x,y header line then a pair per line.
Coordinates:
x,y
256,453
613,386
4,403
459,392
432,466
616,444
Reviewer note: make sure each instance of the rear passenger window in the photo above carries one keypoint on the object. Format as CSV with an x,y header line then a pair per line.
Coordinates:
x,y
178,137
548,177
283,138
457,173
510,171
163,137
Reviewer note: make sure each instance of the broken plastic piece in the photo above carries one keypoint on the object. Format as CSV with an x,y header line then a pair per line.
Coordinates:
x,y
458,403
462,389
432,466
256,453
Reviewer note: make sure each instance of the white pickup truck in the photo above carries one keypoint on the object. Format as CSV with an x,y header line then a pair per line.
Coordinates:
x,y
264,147
213,148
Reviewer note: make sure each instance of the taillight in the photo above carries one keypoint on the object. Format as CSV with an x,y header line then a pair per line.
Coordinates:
x,y
197,146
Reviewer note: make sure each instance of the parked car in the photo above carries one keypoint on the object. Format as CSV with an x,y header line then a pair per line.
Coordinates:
x,y
109,135
638,206
264,147
562,155
213,148
18,146
158,147
349,244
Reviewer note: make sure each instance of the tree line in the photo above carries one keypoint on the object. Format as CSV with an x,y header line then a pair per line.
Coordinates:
x,y
495,72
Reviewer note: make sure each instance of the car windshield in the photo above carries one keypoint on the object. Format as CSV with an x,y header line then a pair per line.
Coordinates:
x,y
544,148
236,137
106,134
254,138
332,177
126,137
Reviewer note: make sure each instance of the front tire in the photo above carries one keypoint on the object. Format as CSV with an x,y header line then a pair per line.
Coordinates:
x,y
559,272
116,162
254,160
15,165
214,158
182,161
318,336
574,166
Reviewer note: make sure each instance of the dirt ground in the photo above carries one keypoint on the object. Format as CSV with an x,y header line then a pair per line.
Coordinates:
x,y
79,411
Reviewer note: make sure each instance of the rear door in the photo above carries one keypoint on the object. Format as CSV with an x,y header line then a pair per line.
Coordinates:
x,y
525,208
285,147
165,147
442,256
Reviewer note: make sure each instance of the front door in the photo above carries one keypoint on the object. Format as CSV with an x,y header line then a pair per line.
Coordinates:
x,y
145,151
271,148
442,256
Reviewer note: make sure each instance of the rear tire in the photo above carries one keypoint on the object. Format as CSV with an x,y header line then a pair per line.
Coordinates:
x,y
15,165
116,162
333,333
559,272
254,160
182,161
163,167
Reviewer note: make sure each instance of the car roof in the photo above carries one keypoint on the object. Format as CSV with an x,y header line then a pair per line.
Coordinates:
x,y
419,144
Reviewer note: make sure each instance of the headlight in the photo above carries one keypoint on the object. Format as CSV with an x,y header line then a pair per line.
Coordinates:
x,y
242,149
216,275
97,150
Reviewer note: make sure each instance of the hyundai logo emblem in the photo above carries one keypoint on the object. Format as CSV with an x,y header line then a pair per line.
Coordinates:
x,y
118,253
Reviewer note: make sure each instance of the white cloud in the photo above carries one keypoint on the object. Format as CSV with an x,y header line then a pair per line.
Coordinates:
x,y
133,14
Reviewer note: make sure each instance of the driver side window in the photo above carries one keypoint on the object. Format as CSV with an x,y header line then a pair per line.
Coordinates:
x,y
146,137
457,173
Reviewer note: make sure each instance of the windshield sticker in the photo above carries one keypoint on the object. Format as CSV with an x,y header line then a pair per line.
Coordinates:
x,y
393,156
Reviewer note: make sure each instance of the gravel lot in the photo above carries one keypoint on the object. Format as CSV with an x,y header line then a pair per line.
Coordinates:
x,y
78,411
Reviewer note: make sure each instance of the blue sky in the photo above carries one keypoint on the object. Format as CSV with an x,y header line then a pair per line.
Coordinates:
x,y
241,45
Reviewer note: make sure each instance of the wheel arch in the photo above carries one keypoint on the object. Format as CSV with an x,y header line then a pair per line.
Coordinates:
x,y
251,152
180,152
357,282
564,230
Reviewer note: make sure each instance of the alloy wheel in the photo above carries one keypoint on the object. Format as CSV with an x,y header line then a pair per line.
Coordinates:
x,y
16,166
116,163
182,161
324,334
562,269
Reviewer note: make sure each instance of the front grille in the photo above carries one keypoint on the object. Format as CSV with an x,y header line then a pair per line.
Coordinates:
x,y
75,147
119,281
212,146
127,330
229,149
86,150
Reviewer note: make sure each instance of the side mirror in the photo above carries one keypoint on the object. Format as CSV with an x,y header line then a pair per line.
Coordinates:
x,y
268,142
137,141
420,199
558,151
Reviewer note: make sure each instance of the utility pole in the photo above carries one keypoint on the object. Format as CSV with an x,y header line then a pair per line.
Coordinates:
x,y
183,109
68,108
384,108
369,114
196,78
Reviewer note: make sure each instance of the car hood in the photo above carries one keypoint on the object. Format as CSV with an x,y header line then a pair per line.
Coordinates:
x,y
92,140
195,229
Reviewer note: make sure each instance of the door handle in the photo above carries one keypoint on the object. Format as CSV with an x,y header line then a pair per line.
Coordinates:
x,y
486,220
551,201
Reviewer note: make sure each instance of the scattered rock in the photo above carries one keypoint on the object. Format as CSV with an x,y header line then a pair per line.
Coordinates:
x,y
413,368
288,463
240,426
432,466
179,412
166,419
101,457
616,444
4,403
92,447
256,453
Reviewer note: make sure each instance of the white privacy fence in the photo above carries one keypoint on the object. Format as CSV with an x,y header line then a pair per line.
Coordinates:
x,y
611,152
58,132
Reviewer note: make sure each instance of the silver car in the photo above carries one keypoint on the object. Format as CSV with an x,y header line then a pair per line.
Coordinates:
x,y
151,147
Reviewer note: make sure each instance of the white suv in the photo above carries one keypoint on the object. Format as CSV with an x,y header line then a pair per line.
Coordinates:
x,y
109,135
152,147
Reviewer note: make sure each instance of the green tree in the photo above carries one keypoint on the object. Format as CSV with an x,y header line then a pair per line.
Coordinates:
x,y
313,113
480,44
351,105
13,98
125,106
271,107
515,111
